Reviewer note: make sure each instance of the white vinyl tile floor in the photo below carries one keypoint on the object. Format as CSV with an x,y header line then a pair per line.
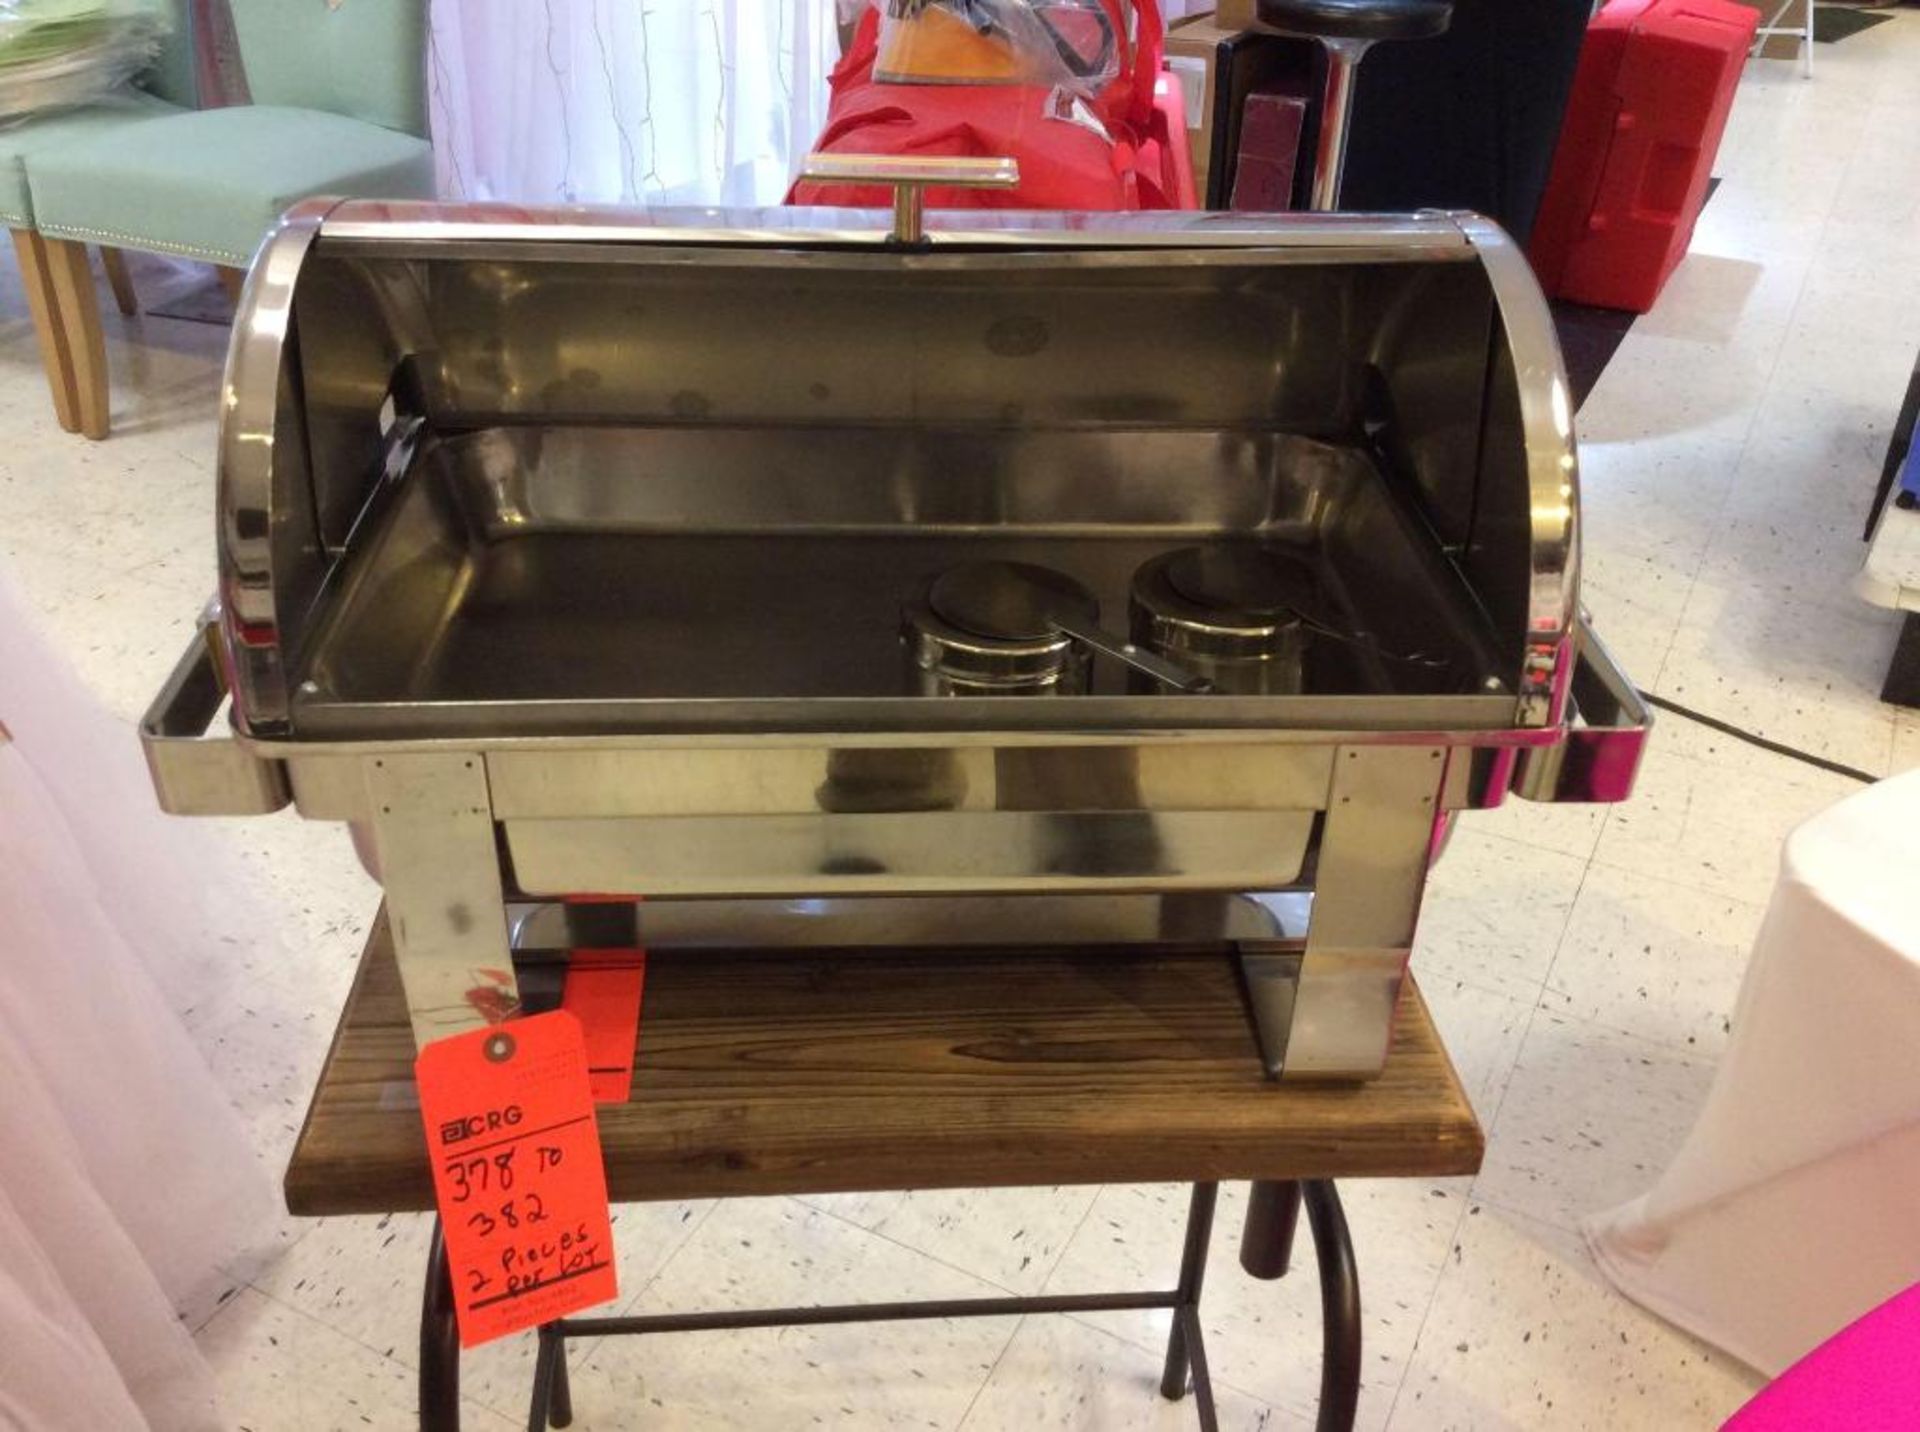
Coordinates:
x,y
1582,963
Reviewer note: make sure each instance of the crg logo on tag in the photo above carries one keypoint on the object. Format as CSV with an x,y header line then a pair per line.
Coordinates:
x,y
473,1125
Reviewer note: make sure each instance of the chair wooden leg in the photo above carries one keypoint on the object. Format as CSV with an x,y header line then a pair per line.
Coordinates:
x,y
37,277
120,281
231,279
78,309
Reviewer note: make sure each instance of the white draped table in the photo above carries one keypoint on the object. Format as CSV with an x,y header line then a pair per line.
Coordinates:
x,y
1794,1205
126,1177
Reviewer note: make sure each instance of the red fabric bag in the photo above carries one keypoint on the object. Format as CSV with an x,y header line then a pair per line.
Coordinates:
x,y
1063,164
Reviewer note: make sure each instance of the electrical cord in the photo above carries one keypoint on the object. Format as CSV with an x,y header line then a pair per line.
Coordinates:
x,y
1792,753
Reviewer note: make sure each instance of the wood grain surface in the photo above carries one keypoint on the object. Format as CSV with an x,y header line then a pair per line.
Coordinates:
x,y
817,1071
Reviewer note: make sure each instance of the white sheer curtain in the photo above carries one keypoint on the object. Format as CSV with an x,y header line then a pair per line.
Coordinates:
x,y
126,1178
648,101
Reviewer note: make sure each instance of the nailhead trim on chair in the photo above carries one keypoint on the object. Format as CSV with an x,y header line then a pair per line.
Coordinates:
x,y
135,241
16,221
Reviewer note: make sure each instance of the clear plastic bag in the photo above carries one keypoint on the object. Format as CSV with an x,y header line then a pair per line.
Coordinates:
x,y
59,54
1064,44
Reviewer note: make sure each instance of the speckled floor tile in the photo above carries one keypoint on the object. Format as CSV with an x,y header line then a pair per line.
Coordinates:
x,y
1524,1332
362,1277
1494,911
1833,357
281,1371
1590,1117
154,516
1673,390
1718,301
1635,601
307,874
205,1302
1709,811
1656,959
1803,672
1906,741
1541,825
267,1057
1482,1031
1011,1237
863,1210
1263,1338
758,1252
1059,1375
123,635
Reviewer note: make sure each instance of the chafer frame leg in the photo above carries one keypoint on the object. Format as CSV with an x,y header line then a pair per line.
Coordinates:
x,y
1328,1014
439,861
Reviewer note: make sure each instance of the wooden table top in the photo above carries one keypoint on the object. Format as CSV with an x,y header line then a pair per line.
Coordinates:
x,y
818,1071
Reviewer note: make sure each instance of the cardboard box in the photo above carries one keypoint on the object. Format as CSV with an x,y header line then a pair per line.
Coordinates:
x,y
1192,49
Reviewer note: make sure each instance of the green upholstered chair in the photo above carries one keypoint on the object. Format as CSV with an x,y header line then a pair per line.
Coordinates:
x,y
166,88
339,107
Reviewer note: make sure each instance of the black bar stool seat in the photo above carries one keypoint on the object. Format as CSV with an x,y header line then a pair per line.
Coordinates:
x,y
1358,19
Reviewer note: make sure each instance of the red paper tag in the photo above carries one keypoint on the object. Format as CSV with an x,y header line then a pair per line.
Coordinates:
x,y
603,993
517,1173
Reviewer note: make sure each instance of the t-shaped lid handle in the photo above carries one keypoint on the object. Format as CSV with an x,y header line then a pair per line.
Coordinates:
x,y
910,175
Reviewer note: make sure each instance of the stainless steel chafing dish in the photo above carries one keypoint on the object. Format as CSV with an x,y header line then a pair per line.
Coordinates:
x,y
570,551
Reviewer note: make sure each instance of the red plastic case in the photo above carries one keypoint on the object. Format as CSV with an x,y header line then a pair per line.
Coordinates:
x,y
1649,104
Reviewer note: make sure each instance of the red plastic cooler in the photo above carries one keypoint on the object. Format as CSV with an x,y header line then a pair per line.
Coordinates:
x,y
1649,105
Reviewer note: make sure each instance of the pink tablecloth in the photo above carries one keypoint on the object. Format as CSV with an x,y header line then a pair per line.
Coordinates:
x,y
1864,1379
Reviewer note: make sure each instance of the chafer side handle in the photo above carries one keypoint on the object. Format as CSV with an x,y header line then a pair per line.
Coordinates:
x,y
194,773
1608,721
910,175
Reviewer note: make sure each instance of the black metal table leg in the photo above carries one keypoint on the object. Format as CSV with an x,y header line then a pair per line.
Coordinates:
x,y
1266,1239
552,1404
1202,1379
560,1406
1339,1307
1902,686
1903,433
1266,1243
439,1345
1182,1342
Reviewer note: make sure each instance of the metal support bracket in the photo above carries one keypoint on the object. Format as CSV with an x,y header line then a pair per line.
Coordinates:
x,y
1372,870
1272,978
433,829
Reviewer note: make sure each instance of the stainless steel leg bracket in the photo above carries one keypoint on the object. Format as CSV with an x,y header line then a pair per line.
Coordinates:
x,y
1328,1013
433,827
